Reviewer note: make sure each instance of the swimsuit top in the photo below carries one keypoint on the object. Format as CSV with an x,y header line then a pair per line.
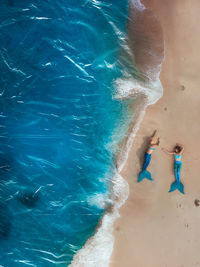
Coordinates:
x,y
152,148
177,157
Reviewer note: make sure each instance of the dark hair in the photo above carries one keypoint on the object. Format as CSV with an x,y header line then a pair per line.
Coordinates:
x,y
177,148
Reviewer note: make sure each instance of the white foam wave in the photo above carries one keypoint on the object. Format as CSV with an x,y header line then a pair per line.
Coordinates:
x,y
130,87
138,5
129,142
98,249
100,200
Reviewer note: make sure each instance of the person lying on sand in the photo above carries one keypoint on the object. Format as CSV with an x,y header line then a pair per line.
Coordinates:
x,y
178,151
153,143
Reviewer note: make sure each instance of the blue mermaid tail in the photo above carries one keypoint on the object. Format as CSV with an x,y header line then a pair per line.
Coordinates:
x,y
144,174
177,186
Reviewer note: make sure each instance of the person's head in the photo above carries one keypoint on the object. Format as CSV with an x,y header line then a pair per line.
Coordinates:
x,y
177,149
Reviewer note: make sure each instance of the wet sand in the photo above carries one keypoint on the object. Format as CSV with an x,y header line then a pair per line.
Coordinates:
x,y
157,228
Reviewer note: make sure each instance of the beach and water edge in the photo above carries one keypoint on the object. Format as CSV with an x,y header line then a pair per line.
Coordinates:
x,y
143,86
156,228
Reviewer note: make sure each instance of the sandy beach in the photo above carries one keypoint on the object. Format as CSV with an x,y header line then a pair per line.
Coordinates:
x,y
157,228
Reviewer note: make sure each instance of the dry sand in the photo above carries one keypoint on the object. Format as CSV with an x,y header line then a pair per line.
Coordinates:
x,y
157,228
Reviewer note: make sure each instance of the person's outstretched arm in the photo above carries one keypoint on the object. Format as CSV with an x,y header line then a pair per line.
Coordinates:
x,y
158,141
154,134
167,151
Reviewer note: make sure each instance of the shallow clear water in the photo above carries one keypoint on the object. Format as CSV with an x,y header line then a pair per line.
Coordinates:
x,y
59,122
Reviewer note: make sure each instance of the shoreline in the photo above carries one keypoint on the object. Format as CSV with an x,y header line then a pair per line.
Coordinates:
x,y
154,223
101,243
146,89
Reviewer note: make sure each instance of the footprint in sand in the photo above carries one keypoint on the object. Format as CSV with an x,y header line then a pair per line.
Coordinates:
x,y
182,87
117,228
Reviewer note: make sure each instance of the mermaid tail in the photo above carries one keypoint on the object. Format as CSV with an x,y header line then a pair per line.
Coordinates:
x,y
177,186
144,174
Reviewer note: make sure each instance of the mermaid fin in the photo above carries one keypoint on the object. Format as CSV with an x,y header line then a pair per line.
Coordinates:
x,y
144,174
177,186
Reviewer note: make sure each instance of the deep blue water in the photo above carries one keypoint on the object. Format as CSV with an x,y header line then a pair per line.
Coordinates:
x,y
58,62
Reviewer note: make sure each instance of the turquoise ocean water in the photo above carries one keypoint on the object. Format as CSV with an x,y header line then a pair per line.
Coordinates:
x,y
59,122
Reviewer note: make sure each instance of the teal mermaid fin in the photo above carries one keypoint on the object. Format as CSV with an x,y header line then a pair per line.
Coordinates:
x,y
177,186
144,174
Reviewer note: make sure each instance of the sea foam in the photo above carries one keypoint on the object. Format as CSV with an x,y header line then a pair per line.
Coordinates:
x,y
98,249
